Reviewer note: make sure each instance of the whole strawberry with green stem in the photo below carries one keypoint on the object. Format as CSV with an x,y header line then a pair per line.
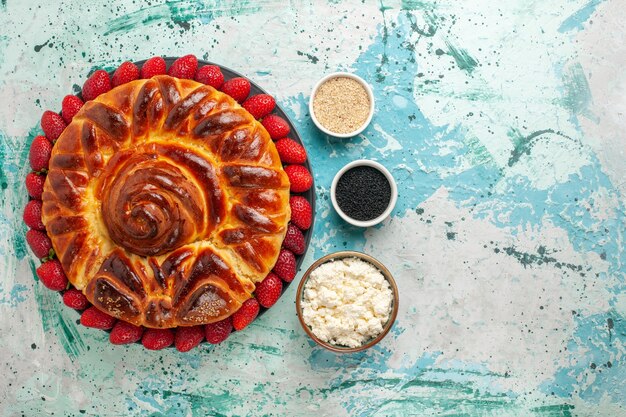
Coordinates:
x,y
51,274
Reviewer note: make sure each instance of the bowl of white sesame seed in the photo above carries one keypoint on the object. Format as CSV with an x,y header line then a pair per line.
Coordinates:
x,y
342,104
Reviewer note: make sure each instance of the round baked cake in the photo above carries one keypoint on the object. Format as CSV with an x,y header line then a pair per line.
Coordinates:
x,y
166,202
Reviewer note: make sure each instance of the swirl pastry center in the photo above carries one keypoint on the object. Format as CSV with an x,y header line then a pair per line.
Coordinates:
x,y
150,207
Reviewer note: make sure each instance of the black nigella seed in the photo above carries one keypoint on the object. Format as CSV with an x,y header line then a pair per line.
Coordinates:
x,y
363,193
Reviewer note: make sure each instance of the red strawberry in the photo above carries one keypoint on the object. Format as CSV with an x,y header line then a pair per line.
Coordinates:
x,y
246,314
290,151
39,154
32,215
98,83
301,212
238,88
218,332
51,274
285,266
276,126
92,317
210,75
34,184
153,66
157,339
39,243
259,105
126,72
184,67
299,177
52,124
294,240
268,291
69,107
75,299
124,333
188,338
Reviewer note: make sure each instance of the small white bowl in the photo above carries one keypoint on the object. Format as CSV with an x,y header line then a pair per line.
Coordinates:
x,y
370,94
392,200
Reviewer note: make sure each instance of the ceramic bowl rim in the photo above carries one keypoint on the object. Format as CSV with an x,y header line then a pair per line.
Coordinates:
x,y
378,265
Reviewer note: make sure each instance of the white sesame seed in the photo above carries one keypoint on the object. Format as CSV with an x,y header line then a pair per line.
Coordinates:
x,y
341,105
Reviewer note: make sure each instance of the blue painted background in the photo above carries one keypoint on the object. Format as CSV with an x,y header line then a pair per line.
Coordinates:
x,y
500,124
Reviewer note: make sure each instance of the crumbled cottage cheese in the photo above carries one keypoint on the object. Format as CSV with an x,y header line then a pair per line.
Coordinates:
x,y
346,302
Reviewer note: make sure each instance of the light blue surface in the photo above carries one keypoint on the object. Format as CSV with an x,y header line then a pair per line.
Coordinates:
x,y
500,124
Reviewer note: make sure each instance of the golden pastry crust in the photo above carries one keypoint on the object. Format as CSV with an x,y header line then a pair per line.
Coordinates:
x,y
166,202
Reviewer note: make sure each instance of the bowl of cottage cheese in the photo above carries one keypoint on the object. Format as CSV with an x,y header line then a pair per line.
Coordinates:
x,y
347,301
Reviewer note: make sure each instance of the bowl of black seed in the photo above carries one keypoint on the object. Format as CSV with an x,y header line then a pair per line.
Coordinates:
x,y
363,193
